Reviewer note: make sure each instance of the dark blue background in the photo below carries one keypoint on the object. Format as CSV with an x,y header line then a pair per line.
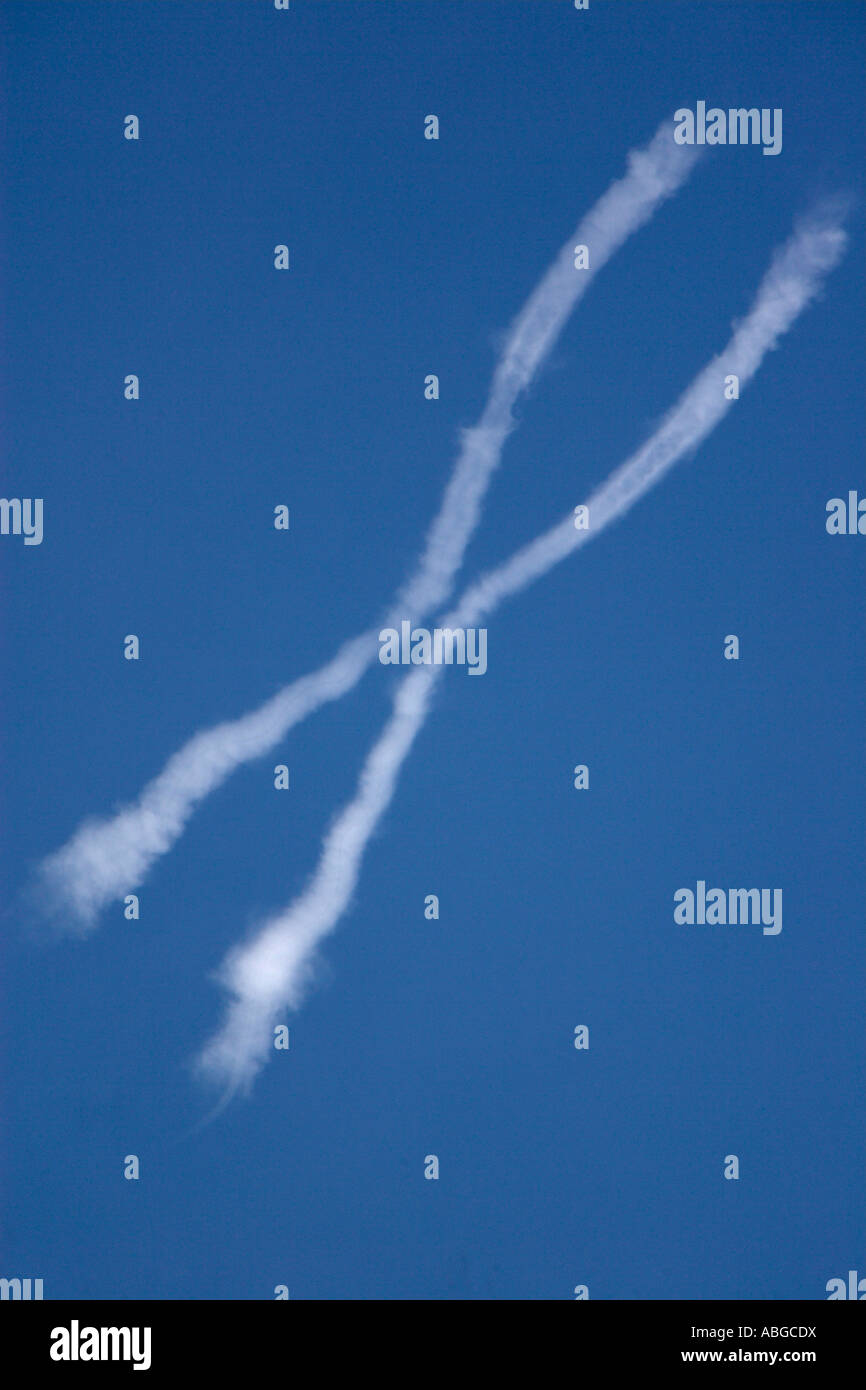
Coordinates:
x,y
453,1037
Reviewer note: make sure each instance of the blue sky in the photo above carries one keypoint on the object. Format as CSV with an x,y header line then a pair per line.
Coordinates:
x,y
453,1037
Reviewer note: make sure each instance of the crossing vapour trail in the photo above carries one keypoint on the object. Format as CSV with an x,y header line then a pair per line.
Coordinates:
x,y
269,973
107,858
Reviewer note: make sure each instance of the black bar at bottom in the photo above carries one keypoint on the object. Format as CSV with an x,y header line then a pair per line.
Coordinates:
x,y
74,1338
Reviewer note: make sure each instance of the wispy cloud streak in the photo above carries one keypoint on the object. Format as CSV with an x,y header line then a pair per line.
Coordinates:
x,y
270,972
107,858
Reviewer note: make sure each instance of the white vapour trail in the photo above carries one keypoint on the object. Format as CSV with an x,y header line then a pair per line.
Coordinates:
x,y
269,973
107,858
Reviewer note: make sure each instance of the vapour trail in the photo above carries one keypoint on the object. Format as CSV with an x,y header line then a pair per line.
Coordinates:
x,y
269,973
107,858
